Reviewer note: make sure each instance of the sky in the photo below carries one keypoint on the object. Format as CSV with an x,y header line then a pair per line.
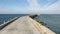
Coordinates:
x,y
29,6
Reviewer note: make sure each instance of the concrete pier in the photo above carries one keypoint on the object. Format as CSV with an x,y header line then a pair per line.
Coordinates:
x,y
25,25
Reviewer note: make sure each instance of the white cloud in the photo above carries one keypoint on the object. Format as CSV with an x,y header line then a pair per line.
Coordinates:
x,y
55,6
33,5
35,8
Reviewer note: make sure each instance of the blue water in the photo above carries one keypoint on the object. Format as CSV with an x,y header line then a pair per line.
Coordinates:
x,y
6,17
52,21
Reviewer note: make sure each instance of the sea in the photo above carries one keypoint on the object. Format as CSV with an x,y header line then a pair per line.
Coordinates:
x,y
52,21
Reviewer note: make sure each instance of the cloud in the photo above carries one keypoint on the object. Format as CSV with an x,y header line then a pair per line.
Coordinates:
x,y
33,4
54,7
32,8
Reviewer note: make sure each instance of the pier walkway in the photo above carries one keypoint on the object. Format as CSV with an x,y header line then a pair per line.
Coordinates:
x,y
24,25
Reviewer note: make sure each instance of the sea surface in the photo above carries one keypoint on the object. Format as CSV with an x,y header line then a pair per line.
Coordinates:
x,y
52,21
6,17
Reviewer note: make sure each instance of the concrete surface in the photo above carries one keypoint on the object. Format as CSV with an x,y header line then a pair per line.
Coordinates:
x,y
26,25
21,26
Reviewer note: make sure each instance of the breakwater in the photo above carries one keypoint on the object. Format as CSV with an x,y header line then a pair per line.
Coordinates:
x,y
25,25
7,23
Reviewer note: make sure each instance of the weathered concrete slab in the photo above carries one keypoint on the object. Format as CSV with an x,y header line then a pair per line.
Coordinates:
x,y
23,25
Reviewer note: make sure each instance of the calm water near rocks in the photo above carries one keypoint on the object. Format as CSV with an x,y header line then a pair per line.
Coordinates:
x,y
52,21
